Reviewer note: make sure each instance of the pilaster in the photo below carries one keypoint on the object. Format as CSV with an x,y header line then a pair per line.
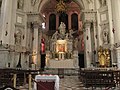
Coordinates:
x,y
116,19
69,21
88,49
36,21
57,22
118,57
115,4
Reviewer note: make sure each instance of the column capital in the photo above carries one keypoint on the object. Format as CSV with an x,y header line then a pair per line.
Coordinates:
x,y
89,15
87,24
35,15
33,25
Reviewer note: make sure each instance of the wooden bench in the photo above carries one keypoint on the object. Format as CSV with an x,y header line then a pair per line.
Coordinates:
x,y
93,78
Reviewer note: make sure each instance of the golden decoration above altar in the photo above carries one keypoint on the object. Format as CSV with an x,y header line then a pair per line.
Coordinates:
x,y
104,57
61,7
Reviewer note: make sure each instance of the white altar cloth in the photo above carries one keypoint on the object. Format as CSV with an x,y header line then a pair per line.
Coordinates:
x,y
47,78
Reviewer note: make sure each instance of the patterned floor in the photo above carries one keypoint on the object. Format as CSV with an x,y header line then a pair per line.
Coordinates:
x,y
71,83
66,83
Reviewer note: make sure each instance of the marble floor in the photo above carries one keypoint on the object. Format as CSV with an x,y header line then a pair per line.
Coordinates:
x,y
71,83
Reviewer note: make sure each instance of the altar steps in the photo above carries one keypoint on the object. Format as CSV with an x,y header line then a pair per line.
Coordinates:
x,y
62,71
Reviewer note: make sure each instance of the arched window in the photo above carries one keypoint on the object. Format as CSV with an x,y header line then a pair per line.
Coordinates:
x,y
64,18
74,21
52,22
0,4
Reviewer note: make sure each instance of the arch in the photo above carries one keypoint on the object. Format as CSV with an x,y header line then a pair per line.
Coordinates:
x,y
0,3
64,18
74,21
44,3
52,22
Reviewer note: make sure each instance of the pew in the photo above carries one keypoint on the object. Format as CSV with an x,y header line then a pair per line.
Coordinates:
x,y
95,78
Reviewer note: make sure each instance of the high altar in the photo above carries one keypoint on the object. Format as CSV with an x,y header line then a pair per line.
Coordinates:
x,y
62,54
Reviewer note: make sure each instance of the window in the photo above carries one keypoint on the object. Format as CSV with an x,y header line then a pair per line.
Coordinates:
x,y
64,18
74,21
52,22
0,4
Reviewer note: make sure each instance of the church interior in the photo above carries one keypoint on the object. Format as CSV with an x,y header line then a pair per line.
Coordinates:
x,y
76,42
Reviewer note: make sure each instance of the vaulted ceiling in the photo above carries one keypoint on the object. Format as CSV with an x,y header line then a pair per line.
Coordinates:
x,y
83,4
51,6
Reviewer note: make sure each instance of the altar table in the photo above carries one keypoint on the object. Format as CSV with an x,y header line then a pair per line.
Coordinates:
x,y
46,82
69,63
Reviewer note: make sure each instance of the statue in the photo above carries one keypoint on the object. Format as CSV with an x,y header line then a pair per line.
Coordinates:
x,y
55,36
33,2
105,37
18,38
67,36
70,33
20,4
102,2
76,43
82,44
62,28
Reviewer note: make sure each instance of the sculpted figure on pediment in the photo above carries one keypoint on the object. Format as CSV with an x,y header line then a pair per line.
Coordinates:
x,y
102,2
33,2
105,36
76,43
55,36
70,33
20,4
18,37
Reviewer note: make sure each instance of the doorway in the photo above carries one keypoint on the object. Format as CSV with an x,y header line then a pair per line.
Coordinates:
x,y
81,60
43,60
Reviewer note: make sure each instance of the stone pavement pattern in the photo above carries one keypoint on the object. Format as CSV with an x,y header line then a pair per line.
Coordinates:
x,y
72,83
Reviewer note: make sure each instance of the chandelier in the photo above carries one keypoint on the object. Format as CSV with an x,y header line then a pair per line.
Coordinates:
x,y
61,6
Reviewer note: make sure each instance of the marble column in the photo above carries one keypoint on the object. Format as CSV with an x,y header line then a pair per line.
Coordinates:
x,y
116,24
36,49
111,32
87,39
95,34
118,57
116,19
95,42
6,15
47,21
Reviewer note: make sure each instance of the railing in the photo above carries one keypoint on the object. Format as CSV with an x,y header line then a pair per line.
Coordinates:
x,y
90,78
100,78
61,71
19,77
